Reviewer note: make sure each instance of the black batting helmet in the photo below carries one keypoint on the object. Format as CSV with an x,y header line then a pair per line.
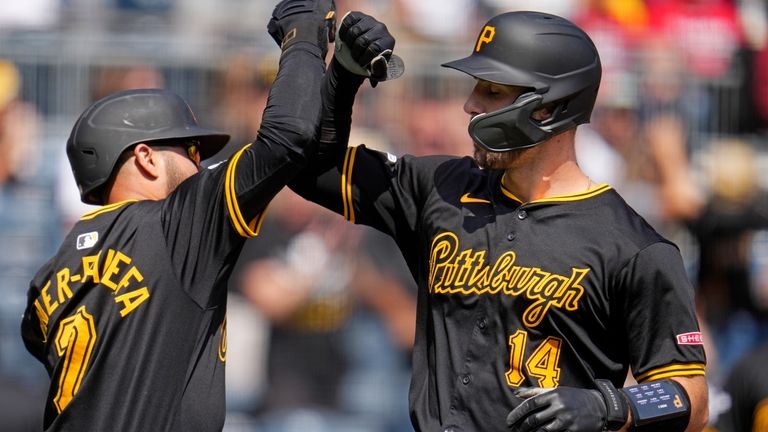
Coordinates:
x,y
116,122
545,53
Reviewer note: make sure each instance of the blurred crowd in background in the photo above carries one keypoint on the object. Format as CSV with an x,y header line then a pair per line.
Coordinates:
x,y
322,313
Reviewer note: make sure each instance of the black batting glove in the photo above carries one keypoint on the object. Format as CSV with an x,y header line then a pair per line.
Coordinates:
x,y
563,409
312,21
369,43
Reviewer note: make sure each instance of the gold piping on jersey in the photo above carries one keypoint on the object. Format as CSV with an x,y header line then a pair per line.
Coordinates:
x,y
223,341
256,223
106,209
669,371
589,193
346,184
238,221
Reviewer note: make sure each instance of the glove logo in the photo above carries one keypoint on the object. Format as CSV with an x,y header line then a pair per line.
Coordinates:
x,y
290,36
486,36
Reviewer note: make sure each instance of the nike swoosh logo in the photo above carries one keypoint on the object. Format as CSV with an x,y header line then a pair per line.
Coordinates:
x,y
466,199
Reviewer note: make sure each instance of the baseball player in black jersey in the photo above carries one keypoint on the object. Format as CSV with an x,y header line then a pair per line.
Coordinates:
x,y
531,275
129,317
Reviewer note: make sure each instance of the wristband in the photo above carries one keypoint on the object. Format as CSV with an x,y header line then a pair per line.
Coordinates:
x,y
660,405
615,404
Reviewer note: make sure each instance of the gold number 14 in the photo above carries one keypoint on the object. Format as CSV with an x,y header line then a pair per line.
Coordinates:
x,y
542,364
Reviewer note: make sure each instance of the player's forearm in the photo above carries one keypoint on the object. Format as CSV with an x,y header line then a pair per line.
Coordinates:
x,y
291,116
338,94
286,137
363,45
696,387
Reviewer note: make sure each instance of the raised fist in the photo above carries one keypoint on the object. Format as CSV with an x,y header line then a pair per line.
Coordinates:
x,y
312,21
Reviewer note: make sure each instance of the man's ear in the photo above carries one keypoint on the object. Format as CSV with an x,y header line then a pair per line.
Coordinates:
x,y
147,160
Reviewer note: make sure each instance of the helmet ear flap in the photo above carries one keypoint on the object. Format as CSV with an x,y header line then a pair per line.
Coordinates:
x,y
509,128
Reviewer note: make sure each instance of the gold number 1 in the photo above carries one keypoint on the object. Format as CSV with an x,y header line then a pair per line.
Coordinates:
x,y
74,342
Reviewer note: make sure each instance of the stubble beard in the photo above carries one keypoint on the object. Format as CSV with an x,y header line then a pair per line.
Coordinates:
x,y
175,175
497,160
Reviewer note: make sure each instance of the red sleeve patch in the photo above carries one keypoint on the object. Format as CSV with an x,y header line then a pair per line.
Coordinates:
x,y
693,338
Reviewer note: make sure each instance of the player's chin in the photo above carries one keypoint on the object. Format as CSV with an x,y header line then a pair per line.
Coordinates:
x,y
490,160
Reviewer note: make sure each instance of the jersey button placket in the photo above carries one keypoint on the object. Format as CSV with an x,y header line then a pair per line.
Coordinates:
x,y
482,323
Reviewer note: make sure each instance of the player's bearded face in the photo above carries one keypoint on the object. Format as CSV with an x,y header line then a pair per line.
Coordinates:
x,y
488,97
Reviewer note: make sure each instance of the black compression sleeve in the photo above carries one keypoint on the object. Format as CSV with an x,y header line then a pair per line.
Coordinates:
x,y
286,138
292,113
339,89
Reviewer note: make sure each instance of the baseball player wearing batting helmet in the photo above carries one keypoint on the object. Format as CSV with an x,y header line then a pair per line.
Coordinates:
x,y
129,317
539,289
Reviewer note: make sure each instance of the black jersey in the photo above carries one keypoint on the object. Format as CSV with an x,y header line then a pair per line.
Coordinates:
x,y
129,317
558,291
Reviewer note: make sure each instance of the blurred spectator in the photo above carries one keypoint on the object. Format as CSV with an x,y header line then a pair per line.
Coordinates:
x,y
443,21
707,32
643,157
563,8
379,336
339,323
112,79
707,35
755,17
617,28
609,148
732,300
28,233
667,113
747,390
18,128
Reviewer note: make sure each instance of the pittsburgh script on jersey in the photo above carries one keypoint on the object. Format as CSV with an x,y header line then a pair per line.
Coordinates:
x,y
466,272
115,273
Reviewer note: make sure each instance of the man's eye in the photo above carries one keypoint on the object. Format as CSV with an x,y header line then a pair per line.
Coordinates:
x,y
494,90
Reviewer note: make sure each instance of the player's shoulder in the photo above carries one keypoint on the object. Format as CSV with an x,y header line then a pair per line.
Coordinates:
x,y
118,212
426,169
624,223
444,166
422,162
122,216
